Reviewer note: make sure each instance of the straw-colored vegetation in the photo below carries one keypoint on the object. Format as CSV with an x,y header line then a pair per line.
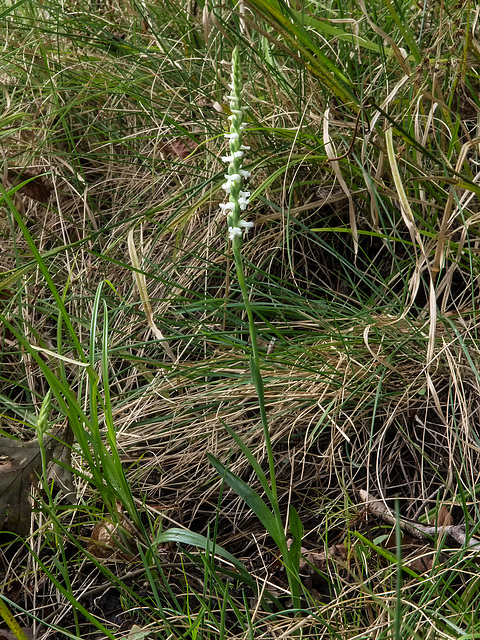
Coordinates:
x,y
126,353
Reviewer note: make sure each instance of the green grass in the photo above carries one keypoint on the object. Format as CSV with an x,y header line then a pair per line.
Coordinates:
x,y
362,276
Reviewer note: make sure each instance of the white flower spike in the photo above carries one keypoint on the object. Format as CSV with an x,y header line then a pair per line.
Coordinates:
x,y
238,199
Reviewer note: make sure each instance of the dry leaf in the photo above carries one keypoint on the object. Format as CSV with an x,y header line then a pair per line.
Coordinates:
x,y
444,518
423,560
422,563
137,633
102,541
179,148
35,189
17,474
108,538
339,552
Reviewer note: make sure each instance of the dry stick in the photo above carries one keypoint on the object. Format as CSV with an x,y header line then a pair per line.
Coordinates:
x,y
457,532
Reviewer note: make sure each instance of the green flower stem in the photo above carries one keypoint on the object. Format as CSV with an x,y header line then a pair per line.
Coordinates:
x,y
255,368
237,202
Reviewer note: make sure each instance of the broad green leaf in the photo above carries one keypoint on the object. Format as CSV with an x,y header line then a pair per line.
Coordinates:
x,y
184,536
253,500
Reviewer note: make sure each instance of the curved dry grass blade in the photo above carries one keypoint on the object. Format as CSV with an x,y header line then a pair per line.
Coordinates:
x,y
409,220
407,216
402,59
405,208
331,154
447,219
141,283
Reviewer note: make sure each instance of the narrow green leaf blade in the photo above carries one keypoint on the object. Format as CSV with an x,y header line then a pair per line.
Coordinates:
x,y
252,499
253,461
184,536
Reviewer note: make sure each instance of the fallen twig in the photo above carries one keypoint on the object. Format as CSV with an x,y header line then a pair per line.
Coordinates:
x,y
457,532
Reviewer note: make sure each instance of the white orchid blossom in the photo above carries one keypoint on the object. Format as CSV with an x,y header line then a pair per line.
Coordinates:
x,y
234,232
238,199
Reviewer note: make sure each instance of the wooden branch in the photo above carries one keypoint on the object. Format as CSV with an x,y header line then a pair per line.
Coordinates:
x,y
457,532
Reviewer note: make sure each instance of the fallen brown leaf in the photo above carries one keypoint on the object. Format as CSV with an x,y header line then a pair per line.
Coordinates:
x,y
137,633
108,538
17,474
35,188
444,518
102,541
179,148
422,563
